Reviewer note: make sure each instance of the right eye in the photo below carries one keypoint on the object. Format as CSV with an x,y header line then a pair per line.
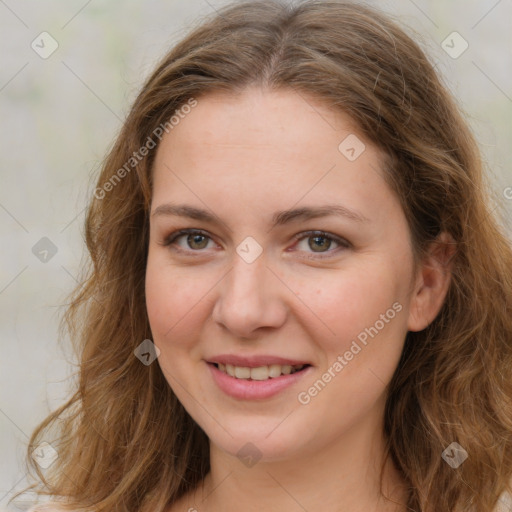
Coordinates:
x,y
195,240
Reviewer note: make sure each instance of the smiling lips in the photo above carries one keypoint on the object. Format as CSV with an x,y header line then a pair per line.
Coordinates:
x,y
254,361
256,367
259,373
255,377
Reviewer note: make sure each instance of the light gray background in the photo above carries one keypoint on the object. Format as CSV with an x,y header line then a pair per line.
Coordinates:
x,y
60,115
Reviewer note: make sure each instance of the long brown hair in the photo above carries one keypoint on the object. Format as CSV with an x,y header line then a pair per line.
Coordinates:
x,y
124,441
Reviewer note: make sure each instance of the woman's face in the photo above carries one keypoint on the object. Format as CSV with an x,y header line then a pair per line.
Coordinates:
x,y
303,257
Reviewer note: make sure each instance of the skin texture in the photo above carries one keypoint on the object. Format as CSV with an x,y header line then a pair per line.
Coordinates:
x,y
243,158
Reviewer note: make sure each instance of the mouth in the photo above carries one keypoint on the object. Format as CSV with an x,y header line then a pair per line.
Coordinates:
x,y
260,373
256,383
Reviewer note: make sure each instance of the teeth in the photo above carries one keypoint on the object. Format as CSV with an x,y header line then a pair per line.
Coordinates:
x,y
242,372
286,369
274,370
230,370
260,373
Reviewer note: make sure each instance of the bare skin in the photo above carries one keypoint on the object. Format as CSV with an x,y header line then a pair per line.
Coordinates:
x,y
243,158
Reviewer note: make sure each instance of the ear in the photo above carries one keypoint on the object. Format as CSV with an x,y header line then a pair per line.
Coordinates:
x,y
432,283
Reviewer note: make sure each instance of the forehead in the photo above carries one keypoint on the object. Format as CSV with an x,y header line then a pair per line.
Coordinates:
x,y
274,148
261,115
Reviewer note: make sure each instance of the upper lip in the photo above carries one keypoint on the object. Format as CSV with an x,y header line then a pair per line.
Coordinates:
x,y
254,361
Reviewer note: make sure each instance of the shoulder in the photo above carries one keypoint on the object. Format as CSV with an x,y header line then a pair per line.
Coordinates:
x,y
504,503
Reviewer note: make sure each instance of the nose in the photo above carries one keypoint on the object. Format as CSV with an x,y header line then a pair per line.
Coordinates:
x,y
250,298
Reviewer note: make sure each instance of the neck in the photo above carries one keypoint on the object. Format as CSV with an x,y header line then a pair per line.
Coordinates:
x,y
344,476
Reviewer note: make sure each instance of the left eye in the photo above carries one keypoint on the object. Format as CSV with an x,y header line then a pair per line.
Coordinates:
x,y
196,240
317,241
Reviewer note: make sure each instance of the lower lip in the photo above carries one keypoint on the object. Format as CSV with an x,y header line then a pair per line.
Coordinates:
x,y
254,389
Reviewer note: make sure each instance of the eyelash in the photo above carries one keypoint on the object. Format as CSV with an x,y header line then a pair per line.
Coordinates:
x,y
171,239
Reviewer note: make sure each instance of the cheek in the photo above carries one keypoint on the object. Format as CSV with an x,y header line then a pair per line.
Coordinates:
x,y
365,309
170,301
176,303
347,302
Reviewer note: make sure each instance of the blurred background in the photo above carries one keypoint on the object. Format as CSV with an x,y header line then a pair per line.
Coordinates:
x,y
68,75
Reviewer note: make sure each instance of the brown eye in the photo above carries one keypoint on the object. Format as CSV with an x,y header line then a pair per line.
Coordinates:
x,y
320,243
195,240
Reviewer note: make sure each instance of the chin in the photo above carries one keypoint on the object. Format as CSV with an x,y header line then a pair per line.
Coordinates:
x,y
255,440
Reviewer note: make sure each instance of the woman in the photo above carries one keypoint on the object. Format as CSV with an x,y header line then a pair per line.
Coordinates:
x,y
298,298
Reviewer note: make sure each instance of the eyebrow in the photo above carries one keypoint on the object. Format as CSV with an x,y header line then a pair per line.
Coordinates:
x,y
278,219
